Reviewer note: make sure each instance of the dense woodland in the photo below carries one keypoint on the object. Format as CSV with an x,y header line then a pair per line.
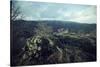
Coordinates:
x,y
52,42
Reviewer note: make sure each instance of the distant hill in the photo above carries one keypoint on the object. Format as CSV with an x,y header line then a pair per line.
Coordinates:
x,y
71,26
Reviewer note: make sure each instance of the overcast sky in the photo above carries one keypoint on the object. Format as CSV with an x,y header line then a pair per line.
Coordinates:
x,y
57,11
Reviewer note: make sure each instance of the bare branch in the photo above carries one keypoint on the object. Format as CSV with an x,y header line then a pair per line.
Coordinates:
x,y
43,30
15,12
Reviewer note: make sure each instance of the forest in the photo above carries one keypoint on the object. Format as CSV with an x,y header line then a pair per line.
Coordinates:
x,y
52,42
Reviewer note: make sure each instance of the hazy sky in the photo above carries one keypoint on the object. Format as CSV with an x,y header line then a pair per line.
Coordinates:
x,y
57,11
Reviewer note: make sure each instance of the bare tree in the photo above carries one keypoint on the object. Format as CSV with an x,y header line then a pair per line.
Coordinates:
x,y
15,11
43,30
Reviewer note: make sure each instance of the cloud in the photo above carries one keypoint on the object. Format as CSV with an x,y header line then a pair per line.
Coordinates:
x,y
54,11
87,15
